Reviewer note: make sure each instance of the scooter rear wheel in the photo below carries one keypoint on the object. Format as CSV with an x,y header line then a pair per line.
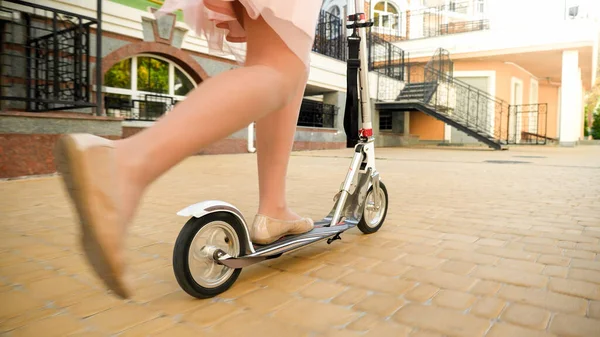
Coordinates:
x,y
194,264
374,215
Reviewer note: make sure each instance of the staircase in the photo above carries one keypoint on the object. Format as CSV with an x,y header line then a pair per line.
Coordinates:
x,y
417,91
433,90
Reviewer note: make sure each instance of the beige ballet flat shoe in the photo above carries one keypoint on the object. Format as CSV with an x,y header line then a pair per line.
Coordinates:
x,y
87,165
265,230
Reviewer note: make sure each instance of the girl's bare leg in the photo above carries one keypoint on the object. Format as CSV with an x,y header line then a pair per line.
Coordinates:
x,y
274,141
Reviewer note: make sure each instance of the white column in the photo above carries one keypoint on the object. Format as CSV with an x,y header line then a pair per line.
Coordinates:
x,y
570,98
579,111
558,112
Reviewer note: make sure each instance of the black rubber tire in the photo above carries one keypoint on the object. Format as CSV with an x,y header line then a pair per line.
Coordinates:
x,y
181,251
362,224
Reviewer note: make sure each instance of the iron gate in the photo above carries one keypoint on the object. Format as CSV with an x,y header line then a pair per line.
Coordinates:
x,y
45,57
527,124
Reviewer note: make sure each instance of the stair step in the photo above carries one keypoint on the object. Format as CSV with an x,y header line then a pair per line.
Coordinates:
x,y
413,92
410,97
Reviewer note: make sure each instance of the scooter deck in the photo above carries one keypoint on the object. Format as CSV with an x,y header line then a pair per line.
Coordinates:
x,y
321,229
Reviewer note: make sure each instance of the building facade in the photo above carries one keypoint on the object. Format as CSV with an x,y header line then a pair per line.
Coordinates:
x,y
50,52
517,70
491,72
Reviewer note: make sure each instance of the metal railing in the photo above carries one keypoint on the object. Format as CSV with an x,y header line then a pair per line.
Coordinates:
x,y
149,107
440,62
330,36
45,58
467,105
527,124
385,58
317,114
434,85
389,62
452,18
387,33
471,107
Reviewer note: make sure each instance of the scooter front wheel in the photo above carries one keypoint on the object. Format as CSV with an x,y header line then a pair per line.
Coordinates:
x,y
194,261
375,210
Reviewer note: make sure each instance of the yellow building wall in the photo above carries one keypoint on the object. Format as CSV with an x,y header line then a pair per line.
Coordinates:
x,y
549,94
426,127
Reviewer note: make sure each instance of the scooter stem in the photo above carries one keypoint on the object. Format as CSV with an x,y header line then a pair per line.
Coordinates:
x,y
365,93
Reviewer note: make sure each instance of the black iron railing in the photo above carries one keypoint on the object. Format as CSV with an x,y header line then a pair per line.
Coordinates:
x,y
45,57
149,107
385,58
472,107
389,62
330,36
527,124
434,85
440,62
388,34
317,114
467,105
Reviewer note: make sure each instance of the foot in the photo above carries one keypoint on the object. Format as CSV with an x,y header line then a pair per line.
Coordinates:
x,y
265,230
88,166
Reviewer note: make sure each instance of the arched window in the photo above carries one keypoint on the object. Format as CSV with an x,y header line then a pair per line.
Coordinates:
x,y
385,17
335,10
144,87
330,26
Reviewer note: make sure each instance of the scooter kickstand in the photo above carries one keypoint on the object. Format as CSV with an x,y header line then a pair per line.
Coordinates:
x,y
335,237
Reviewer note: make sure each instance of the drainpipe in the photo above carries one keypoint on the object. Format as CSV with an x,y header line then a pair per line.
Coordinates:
x,y
251,147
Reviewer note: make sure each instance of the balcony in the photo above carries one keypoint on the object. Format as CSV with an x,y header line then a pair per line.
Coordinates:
x,y
431,21
44,58
330,36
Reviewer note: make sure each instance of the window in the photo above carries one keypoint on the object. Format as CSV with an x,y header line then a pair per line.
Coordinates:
x,y
385,17
385,120
145,87
335,10
452,6
480,9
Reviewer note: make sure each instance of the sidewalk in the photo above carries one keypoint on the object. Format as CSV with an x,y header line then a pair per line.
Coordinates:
x,y
469,248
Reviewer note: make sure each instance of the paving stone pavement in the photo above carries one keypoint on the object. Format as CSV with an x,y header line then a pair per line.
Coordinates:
x,y
469,248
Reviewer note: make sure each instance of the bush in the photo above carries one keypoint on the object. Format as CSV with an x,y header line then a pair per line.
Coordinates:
x,y
586,131
596,124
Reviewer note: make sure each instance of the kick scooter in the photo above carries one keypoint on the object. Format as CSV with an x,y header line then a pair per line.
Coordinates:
x,y
214,245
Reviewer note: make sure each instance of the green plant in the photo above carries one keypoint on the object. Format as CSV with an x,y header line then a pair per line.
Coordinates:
x,y
596,124
586,131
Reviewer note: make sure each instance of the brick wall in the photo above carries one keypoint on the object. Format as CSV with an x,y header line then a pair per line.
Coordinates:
x,y
27,140
235,144
28,154
23,154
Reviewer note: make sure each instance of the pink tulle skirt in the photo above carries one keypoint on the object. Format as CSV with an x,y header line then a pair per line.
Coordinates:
x,y
293,20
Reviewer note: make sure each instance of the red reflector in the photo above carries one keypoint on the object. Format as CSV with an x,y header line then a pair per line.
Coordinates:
x,y
357,17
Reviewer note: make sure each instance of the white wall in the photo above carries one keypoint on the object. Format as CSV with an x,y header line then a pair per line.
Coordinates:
x,y
549,36
515,24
